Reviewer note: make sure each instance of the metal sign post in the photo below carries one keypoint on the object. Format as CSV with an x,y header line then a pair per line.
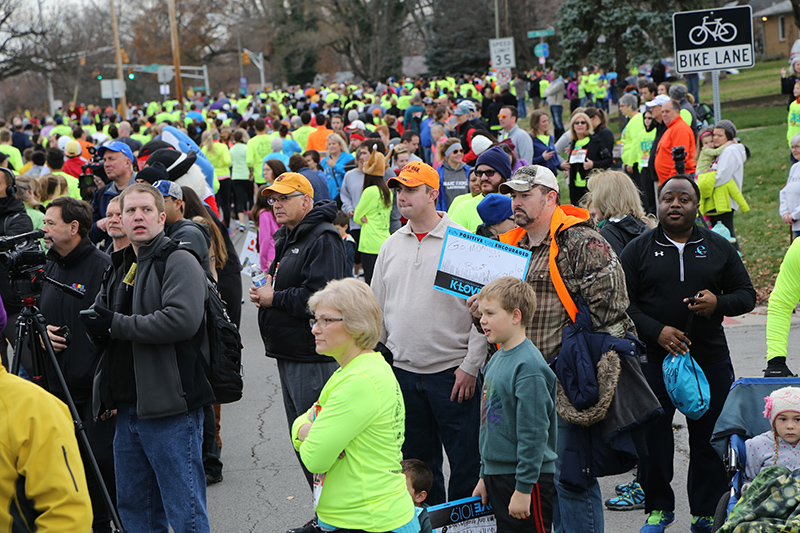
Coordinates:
x,y
713,40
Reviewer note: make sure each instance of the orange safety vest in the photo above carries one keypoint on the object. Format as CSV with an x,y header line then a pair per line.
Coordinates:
x,y
565,216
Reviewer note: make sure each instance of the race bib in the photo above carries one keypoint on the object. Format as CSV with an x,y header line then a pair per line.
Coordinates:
x,y
319,481
577,156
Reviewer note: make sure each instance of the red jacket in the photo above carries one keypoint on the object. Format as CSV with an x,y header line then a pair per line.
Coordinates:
x,y
678,133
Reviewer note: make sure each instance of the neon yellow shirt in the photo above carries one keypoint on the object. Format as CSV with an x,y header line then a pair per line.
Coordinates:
x,y
361,413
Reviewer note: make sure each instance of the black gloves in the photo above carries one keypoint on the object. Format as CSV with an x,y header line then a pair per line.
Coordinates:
x,y
776,368
98,327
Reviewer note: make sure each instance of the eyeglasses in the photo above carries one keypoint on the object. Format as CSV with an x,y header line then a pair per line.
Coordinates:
x,y
647,118
272,200
488,173
323,322
579,122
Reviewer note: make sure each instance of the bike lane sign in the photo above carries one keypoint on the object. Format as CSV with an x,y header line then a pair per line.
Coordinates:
x,y
713,39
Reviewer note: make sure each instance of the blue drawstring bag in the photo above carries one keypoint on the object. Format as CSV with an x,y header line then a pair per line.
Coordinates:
x,y
686,385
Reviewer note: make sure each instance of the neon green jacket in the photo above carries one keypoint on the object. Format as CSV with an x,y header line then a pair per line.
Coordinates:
x,y
361,413
632,149
14,156
258,148
220,158
782,302
466,213
793,121
717,200
376,230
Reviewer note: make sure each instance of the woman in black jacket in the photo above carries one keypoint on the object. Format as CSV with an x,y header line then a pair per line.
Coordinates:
x,y
601,128
586,152
616,199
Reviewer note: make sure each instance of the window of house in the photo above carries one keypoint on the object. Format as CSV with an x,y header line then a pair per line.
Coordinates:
x,y
782,28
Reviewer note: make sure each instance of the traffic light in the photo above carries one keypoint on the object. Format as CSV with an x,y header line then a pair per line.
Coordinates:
x,y
124,56
131,75
96,74
245,58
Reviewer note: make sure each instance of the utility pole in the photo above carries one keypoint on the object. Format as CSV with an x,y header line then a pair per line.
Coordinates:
x,y
176,52
496,21
118,56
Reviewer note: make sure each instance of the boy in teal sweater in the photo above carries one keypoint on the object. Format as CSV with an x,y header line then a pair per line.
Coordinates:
x,y
518,414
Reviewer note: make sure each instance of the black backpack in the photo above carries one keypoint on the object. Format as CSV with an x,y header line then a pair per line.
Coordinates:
x,y
224,369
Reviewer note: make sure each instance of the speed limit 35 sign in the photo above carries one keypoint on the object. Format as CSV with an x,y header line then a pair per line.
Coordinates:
x,y
501,52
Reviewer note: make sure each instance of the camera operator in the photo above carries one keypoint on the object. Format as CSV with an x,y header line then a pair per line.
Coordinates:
x,y
678,133
118,164
14,220
73,260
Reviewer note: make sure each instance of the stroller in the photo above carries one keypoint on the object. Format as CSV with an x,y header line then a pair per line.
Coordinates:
x,y
741,418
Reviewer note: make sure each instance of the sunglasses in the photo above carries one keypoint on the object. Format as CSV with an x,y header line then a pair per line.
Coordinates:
x,y
577,122
503,116
487,173
457,151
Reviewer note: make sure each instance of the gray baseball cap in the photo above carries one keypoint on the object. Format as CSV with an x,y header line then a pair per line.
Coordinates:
x,y
525,178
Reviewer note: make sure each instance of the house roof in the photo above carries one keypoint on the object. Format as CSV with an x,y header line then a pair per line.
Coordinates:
x,y
776,8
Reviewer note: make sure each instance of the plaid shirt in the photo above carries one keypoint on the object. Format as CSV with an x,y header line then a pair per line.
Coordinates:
x,y
550,316
590,269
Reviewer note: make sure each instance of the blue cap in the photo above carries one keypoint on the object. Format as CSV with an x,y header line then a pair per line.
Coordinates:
x,y
169,188
116,146
495,208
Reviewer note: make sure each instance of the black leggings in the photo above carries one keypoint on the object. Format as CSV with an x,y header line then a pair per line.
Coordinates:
x,y
368,262
223,197
242,195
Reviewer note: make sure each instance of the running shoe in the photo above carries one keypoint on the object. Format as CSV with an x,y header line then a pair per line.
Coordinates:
x,y
702,524
658,521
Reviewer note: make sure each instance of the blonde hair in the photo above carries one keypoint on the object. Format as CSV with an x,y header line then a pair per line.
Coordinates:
x,y
589,127
615,195
511,293
360,311
338,138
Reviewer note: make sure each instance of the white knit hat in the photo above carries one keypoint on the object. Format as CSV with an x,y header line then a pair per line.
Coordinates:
x,y
781,401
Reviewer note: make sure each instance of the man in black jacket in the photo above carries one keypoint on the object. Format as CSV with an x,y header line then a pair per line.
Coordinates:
x,y
682,280
309,252
14,220
73,260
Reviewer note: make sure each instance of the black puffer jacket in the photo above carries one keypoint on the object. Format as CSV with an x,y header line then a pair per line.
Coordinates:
x,y
306,258
619,234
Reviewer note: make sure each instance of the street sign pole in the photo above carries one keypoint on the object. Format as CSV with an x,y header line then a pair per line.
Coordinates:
x,y
715,90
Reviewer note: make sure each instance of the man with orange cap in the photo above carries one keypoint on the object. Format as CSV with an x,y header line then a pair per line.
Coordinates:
x,y
437,351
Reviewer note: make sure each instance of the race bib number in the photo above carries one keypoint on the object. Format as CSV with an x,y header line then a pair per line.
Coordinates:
x,y
319,481
577,156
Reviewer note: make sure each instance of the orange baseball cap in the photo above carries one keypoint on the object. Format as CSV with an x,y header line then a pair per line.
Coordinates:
x,y
414,174
289,182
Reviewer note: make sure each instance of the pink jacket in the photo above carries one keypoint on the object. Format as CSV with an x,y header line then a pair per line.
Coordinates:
x,y
267,226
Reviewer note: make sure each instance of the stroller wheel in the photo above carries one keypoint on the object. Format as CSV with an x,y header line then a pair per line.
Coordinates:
x,y
721,514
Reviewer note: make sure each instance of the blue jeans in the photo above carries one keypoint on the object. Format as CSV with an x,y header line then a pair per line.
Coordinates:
x,y
522,106
556,112
159,467
575,511
433,421
693,86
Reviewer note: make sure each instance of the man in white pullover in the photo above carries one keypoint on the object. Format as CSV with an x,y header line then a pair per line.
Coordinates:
x,y
437,351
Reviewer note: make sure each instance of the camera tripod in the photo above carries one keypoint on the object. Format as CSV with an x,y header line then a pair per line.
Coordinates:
x,y
31,328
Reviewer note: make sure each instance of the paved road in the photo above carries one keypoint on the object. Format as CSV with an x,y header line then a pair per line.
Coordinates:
x,y
264,490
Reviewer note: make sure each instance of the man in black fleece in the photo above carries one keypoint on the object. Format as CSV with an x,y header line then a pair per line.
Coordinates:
x,y
73,260
683,279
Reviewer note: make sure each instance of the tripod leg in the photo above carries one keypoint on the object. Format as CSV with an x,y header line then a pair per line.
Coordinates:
x,y
41,332
20,325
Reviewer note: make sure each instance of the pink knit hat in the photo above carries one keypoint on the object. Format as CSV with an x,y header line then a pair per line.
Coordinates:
x,y
781,401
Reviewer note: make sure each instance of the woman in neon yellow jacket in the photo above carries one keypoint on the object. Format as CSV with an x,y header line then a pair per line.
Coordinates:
x,y
220,157
351,438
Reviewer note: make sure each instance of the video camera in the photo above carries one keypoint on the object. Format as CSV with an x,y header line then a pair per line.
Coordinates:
x,y
94,168
679,158
23,259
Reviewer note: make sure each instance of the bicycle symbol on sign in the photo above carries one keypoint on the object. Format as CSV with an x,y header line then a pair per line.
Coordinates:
x,y
722,31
